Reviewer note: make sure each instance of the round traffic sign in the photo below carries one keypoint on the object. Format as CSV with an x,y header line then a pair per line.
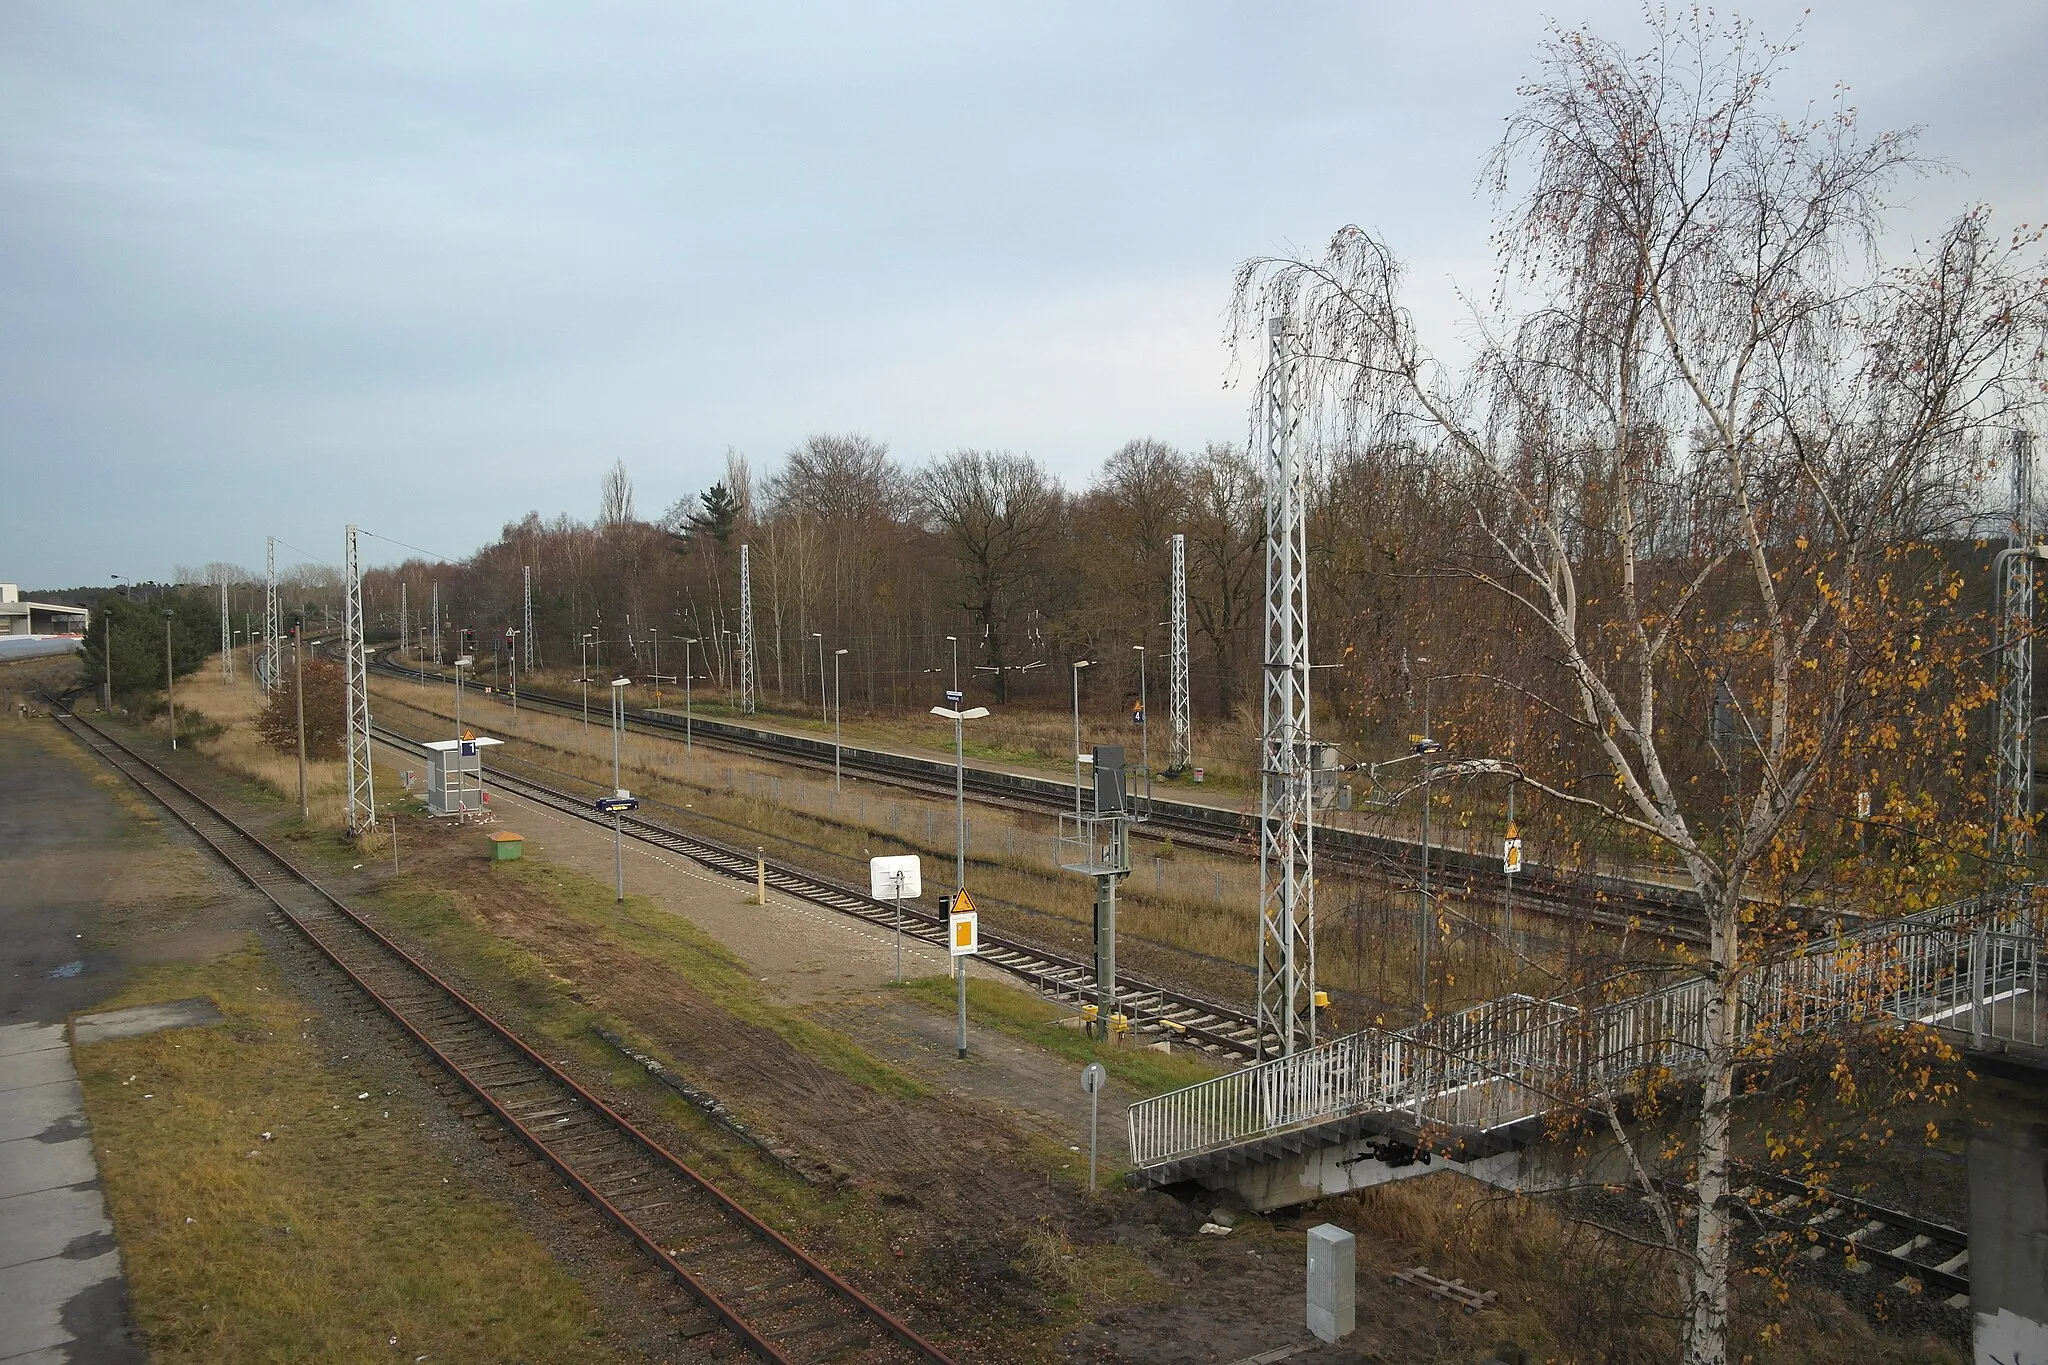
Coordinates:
x,y
1093,1078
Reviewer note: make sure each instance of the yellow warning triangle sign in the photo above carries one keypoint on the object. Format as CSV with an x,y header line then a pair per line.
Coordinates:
x,y
963,904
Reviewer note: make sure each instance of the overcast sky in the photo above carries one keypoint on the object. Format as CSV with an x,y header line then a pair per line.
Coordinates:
x,y
267,268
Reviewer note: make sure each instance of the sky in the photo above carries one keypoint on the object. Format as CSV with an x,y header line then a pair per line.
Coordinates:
x,y
268,268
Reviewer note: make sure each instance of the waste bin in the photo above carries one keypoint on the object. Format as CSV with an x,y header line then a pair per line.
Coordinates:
x,y
506,848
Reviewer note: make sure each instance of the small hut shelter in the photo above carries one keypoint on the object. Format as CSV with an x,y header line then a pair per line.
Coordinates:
x,y
455,774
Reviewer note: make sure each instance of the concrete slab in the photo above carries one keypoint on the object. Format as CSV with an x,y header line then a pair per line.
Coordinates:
x,y
50,1112
27,1165
37,1298
68,1221
141,1019
18,1038
34,1068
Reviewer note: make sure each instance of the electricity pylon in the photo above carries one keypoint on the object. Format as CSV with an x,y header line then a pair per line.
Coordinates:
x,y
528,649
746,634
1287,915
227,632
362,789
1181,752
273,657
2013,801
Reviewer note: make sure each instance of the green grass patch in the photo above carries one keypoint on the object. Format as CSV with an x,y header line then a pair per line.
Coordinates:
x,y
1022,1015
343,1231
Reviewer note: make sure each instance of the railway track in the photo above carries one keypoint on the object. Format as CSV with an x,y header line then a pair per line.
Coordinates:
x,y
1152,1010
1932,1255
1608,903
755,1288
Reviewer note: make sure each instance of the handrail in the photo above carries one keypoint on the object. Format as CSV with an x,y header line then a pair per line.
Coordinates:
x,y
1970,965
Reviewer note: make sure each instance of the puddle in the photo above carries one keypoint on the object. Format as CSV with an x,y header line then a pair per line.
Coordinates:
x,y
72,968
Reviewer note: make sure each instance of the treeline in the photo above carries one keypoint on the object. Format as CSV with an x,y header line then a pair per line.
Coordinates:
x,y
851,550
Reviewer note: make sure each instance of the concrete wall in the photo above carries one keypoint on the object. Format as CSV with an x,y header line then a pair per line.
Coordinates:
x,y
1342,1167
2008,1155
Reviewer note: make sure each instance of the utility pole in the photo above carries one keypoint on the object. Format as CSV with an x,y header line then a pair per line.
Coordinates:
x,y
746,633
954,641
299,704
404,620
583,676
526,625
170,695
437,622
362,785
619,686
1144,719
272,645
1287,920
1183,755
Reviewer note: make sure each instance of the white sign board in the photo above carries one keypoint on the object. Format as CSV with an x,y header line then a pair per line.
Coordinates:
x,y
964,934
1511,855
1093,1077
901,875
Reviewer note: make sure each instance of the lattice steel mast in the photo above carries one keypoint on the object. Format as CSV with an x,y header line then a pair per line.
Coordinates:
x,y
404,620
273,657
2013,800
227,632
362,790
1181,754
529,651
1287,917
437,620
746,634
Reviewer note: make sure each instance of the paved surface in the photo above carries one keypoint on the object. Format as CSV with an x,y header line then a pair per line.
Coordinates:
x,y
62,1293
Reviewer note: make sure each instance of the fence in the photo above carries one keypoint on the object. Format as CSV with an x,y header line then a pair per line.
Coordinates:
x,y
1974,966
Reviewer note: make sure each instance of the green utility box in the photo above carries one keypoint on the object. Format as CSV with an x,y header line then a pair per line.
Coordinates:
x,y
506,848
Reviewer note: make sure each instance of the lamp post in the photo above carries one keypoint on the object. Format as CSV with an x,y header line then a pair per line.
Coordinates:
x,y
107,650
954,641
299,705
1079,664
1144,719
512,648
688,640
838,716
960,844
618,845
820,638
170,698
584,671
462,661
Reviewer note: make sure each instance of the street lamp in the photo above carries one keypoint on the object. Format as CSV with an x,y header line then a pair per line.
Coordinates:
x,y
820,638
1079,664
512,648
170,699
107,648
838,715
584,670
618,846
1144,719
687,640
960,844
462,661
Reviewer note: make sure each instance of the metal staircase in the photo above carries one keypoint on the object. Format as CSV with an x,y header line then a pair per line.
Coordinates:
x,y
1483,1080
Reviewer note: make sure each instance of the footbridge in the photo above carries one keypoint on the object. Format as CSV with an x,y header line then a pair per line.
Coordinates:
x,y
1476,1090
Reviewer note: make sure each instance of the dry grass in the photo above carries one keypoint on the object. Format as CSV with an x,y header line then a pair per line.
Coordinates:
x,y
345,1236
1186,914
1571,1293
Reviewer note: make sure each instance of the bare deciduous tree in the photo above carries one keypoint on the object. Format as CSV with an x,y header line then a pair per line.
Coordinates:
x,y
998,513
1704,422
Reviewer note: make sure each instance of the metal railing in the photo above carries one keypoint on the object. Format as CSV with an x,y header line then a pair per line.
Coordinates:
x,y
1976,966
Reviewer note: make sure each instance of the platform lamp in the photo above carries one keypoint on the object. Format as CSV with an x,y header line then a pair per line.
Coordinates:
x,y
170,697
618,846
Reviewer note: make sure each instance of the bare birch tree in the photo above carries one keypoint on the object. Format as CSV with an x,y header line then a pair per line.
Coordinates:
x,y
1704,419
